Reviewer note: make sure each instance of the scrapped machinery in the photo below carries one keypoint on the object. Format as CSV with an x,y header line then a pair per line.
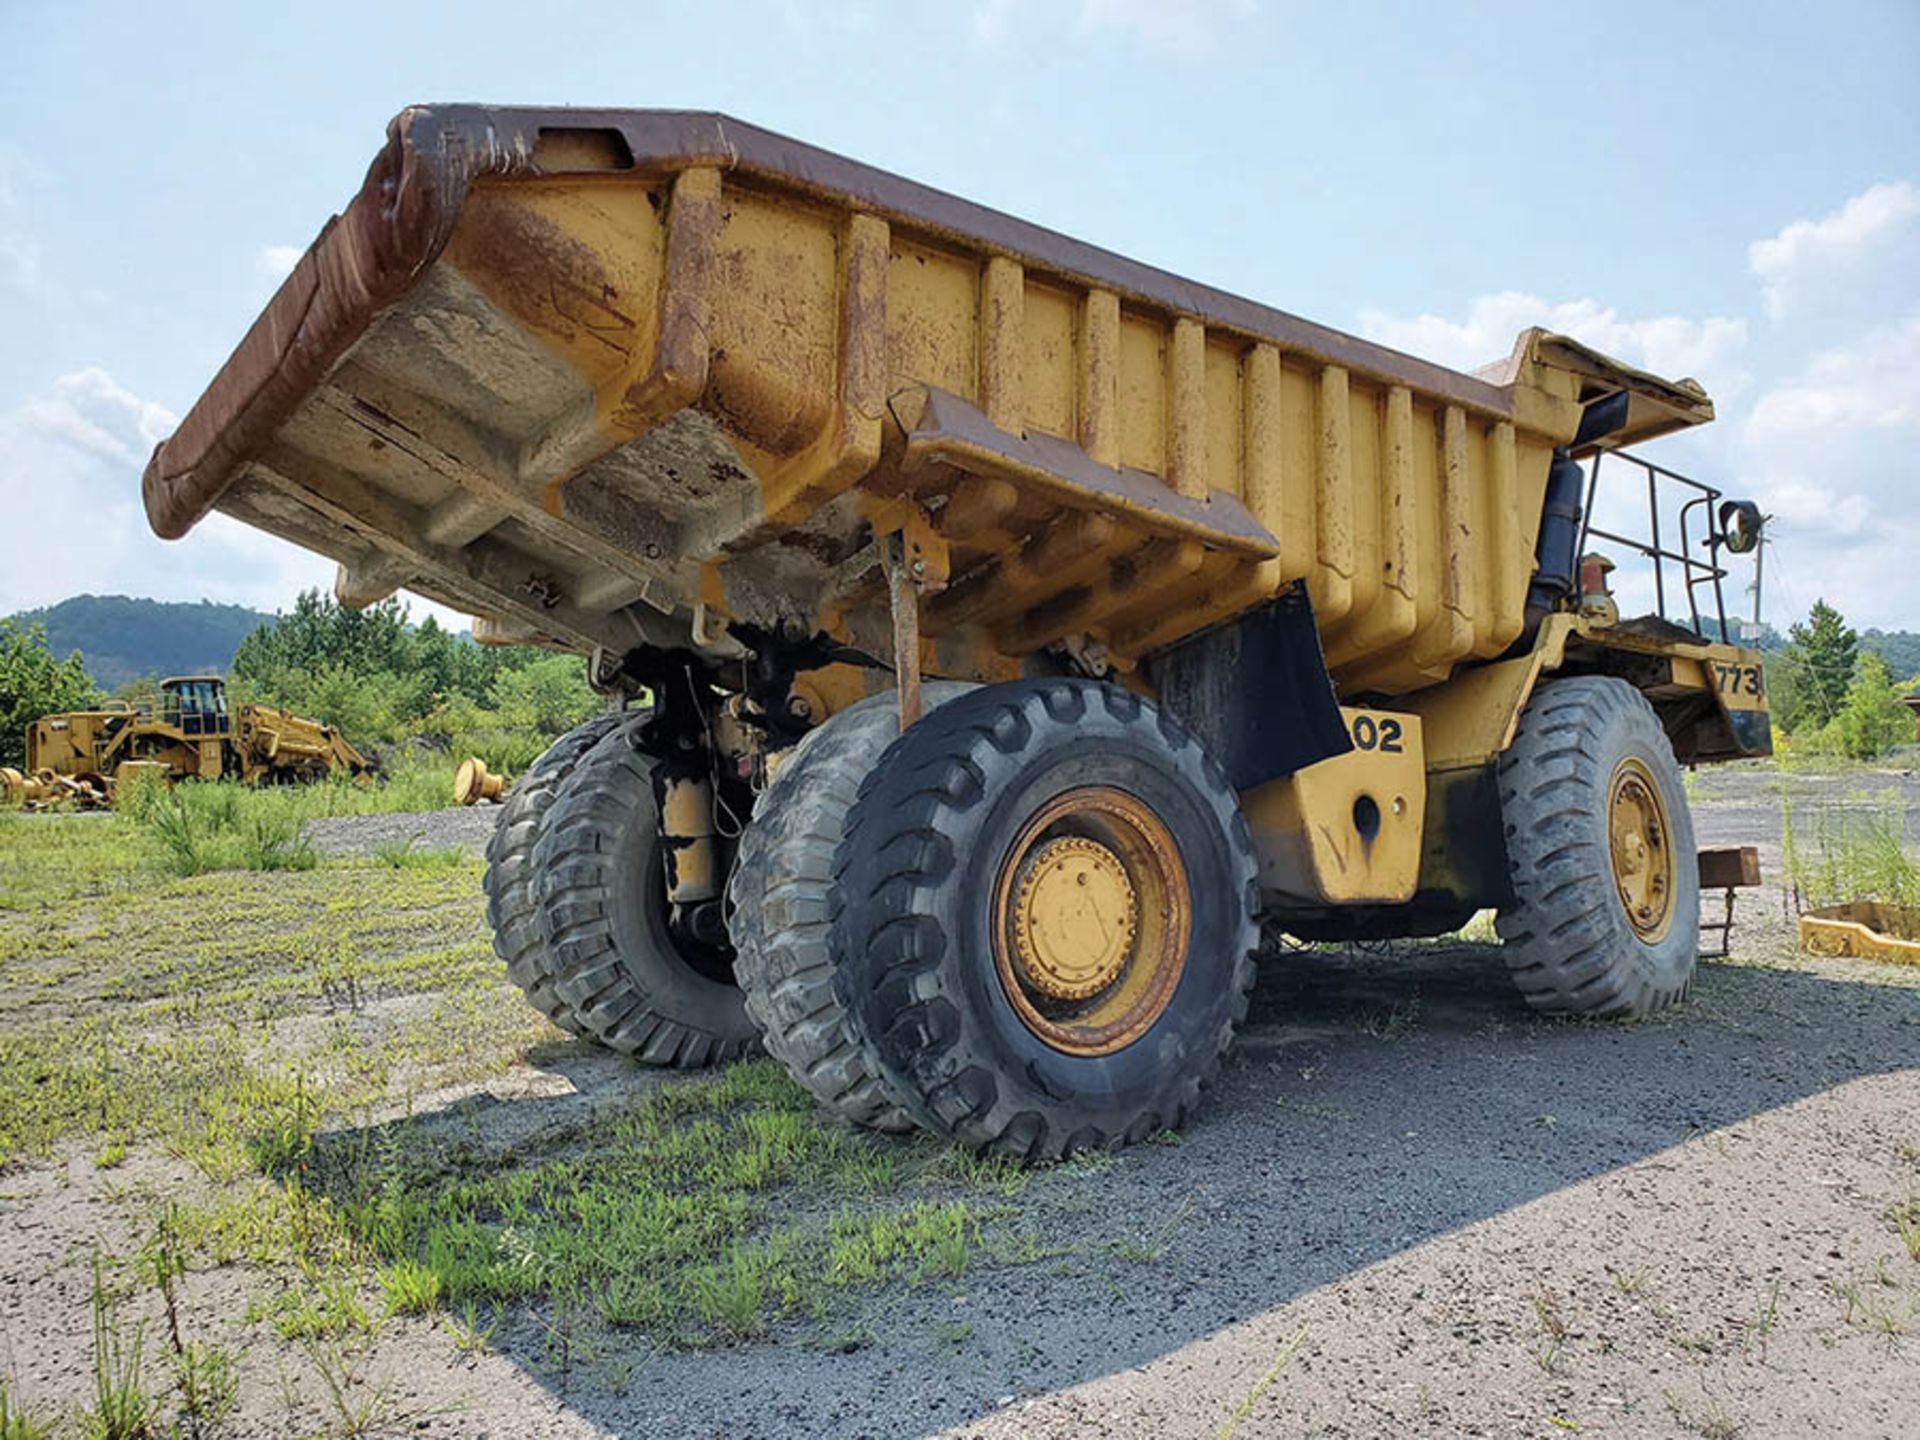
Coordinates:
x,y
190,734
1024,626
474,783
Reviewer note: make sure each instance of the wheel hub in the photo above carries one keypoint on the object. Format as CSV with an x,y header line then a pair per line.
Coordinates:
x,y
1091,916
1642,858
1074,917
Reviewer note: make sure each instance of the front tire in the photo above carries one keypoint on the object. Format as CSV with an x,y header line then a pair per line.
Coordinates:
x,y
1045,919
1606,918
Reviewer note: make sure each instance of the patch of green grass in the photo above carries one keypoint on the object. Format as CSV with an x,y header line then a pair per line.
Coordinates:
x,y
1905,1218
1001,1174
731,1295
133,1004
122,1408
411,1288
470,1335
17,1422
690,1212
404,855
327,1307
261,1029
227,827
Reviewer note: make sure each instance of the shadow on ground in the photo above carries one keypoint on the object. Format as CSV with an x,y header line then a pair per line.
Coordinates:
x,y
1375,1100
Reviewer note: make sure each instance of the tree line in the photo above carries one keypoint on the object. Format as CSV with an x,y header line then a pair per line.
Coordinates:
x,y
1833,695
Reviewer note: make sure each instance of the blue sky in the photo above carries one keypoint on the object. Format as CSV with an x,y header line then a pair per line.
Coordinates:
x,y
1725,190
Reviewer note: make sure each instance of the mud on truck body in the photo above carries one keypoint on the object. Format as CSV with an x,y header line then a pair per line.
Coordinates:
x,y
1020,627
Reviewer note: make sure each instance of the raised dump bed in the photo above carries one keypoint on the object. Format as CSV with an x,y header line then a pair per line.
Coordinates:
x,y
1226,613
583,374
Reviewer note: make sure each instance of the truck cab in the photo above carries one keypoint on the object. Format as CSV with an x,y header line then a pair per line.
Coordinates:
x,y
196,705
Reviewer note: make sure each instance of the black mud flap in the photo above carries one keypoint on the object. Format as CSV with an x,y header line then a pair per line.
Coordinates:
x,y
1256,691
1752,730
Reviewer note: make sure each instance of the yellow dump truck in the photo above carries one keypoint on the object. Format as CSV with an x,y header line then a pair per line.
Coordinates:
x,y
192,735
1025,626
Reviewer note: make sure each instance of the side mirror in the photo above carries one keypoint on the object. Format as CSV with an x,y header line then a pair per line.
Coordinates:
x,y
1740,525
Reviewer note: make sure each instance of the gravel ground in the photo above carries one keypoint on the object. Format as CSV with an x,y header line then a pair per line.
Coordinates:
x,y
1410,1208
469,828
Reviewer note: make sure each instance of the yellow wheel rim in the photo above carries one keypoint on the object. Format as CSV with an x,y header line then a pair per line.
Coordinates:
x,y
1091,916
1640,848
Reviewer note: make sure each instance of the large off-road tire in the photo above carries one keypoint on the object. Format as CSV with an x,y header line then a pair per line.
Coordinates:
x,y
1044,918
512,894
603,910
782,922
1606,918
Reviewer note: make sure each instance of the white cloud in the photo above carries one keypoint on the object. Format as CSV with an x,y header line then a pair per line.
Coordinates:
x,y
1808,255
1707,349
276,262
1184,27
70,464
93,412
1829,451
1872,384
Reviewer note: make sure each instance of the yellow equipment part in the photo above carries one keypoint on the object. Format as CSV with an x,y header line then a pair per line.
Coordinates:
x,y
270,741
1349,828
1865,928
473,782
1471,718
1641,858
1092,908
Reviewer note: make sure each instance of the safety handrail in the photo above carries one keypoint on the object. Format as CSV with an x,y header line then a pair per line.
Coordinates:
x,y
1694,572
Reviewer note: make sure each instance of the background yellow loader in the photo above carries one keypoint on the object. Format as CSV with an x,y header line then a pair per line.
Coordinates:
x,y
191,734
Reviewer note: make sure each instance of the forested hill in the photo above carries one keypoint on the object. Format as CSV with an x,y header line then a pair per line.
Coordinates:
x,y
1899,648
123,638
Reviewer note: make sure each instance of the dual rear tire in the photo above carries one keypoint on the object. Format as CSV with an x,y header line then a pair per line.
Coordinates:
x,y
1083,1006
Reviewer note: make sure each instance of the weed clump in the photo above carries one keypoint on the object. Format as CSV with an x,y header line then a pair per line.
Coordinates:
x,y
222,827
1854,852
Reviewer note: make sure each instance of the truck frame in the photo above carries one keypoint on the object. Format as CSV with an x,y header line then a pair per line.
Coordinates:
x,y
1021,627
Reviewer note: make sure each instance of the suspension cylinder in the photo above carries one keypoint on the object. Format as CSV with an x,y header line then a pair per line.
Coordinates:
x,y
686,826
